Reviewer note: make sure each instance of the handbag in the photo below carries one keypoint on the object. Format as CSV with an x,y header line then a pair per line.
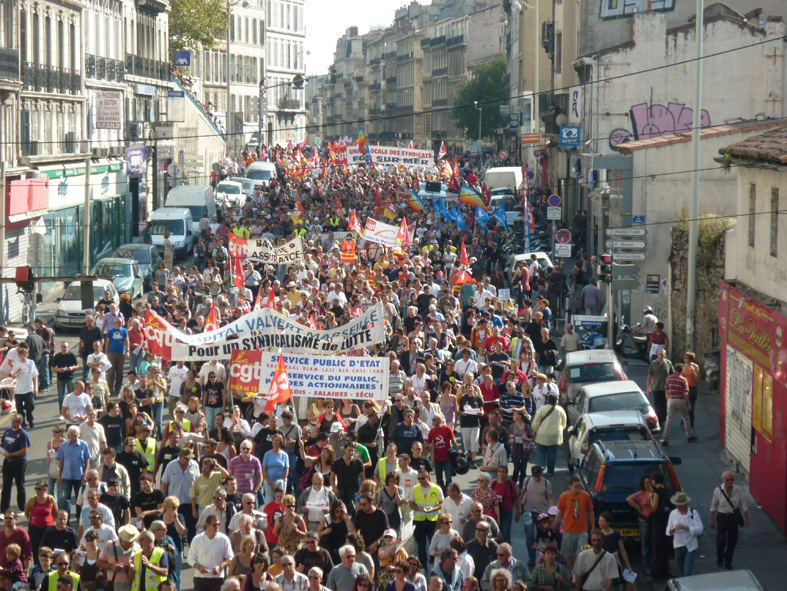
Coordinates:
x,y
736,510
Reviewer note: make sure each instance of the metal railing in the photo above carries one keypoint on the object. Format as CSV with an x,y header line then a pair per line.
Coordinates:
x,y
289,104
9,63
146,68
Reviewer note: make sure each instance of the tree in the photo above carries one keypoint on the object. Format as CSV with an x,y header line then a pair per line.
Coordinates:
x,y
487,86
194,24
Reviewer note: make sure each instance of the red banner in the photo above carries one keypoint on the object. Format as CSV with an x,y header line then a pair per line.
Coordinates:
x,y
158,334
243,381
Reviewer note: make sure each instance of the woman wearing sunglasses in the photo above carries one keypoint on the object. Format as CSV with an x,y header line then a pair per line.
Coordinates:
x,y
400,582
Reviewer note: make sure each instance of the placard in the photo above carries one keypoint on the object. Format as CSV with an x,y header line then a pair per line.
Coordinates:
x,y
354,378
381,233
385,155
503,294
176,105
263,251
109,109
652,284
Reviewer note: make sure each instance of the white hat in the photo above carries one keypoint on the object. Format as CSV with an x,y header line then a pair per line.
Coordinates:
x,y
337,428
390,532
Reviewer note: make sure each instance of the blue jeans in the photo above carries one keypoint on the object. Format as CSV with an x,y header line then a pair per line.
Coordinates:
x,y
685,560
63,387
506,520
269,489
157,411
178,565
644,540
442,467
520,471
65,494
53,486
135,359
43,371
530,532
291,482
547,455
210,416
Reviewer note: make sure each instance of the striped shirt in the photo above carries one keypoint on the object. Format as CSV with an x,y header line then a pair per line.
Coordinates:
x,y
677,386
245,472
396,383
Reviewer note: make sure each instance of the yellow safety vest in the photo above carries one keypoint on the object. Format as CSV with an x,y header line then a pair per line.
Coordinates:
x,y
335,222
152,580
432,499
186,425
381,470
53,577
149,452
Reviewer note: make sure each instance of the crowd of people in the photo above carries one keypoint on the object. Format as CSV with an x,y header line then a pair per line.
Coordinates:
x,y
319,493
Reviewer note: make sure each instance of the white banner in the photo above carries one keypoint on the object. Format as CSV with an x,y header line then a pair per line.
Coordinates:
x,y
108,112
266,329
262,251
354,378
383,155
381,233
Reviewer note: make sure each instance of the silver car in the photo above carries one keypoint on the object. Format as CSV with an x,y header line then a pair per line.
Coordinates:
x,y
609,396
615,425
588,367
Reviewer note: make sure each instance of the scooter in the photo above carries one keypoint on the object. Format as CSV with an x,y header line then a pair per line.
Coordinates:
x,y
630,344
592,340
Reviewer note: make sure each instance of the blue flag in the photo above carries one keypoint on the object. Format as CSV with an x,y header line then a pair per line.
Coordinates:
x,y
500,215
456,215
441,210
481,217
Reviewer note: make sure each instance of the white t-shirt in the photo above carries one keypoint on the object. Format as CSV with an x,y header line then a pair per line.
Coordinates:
x,y
24,374
176,376
407,480
93,436
105,533
460,512
317,501
218,369
77,406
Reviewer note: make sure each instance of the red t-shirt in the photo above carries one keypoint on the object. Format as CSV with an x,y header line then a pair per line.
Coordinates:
x,y
272,512
507,492
441,437
491,397
135,338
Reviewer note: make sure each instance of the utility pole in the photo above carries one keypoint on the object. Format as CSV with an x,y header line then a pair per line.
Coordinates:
x,y
480,112
694,214
2,234
86,223
228,125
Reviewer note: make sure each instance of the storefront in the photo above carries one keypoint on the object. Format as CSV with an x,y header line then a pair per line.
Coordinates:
x,y
754,391
110,207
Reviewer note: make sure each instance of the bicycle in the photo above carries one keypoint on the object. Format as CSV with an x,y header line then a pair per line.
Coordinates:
x,y
28,305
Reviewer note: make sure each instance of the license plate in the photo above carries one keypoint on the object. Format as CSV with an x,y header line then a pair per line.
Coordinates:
x,y
626,532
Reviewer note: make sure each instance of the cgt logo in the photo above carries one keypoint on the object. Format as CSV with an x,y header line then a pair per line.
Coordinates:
x,y
246,372
155,333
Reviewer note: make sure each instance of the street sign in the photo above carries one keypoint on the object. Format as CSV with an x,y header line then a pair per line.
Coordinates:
x,y
165,133
563,236
563,250
502,155
584,320
638,219
629,256
531,175
183,58
531,138
554,213
626,231
626,244
570,136
624,270
625,284
555,200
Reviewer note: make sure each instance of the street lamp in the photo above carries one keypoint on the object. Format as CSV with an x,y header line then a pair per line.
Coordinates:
x,y
244,4
479,109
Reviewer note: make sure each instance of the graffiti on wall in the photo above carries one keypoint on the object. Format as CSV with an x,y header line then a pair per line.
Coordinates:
x,y
612,9
657,120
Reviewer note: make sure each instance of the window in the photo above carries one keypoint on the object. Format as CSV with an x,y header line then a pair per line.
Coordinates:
x,y
752,209
36,39
262,33
295,10
774,221
254,31
23,36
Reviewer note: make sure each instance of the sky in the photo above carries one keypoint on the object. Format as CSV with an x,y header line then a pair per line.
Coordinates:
x,y
327,21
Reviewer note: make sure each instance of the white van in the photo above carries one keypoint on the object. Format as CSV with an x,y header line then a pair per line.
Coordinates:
x,y
429,191
197,198
505,176
261,173
179,223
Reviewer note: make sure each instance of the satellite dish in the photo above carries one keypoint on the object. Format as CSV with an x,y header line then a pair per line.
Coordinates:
x,y
561,119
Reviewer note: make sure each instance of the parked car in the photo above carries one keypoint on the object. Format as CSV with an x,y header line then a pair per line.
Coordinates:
x,y
70,313
607,396
616,425
610,472
736,580
587,367
127,276
146,256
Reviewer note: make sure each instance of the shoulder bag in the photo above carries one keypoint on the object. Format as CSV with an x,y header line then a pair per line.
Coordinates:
x,y
592,568
736,510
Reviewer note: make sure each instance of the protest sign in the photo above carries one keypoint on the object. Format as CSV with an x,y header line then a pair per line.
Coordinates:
x,y
262,251
381,233
386,155
355,378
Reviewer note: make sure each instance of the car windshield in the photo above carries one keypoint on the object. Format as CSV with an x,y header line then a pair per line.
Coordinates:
x,y
592,372
74,292
158,227
260,175
624,478
112,269
141,255
228,189
617,434
622,401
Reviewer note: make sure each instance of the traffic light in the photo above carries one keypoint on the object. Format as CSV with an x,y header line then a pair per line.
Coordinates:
x,y
605,267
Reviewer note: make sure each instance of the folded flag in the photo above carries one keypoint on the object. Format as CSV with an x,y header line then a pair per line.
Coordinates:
x,y
469,196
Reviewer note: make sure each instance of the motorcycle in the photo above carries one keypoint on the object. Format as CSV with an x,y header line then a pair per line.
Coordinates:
x,y
630,344
592,340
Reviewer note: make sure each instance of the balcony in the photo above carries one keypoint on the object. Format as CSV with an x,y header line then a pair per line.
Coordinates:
x,y
425,43
405,56
375,86
437,41
50,79
440,72
145,67
458,40
9,63
374,62
390,80
348,84
101,68
440,103
358,79
289,104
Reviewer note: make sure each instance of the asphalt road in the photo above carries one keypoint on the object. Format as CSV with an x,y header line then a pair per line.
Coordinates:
x,y
761,548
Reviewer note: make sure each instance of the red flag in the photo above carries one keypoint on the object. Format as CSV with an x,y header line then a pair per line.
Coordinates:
x,y
403,235
377,201
463,260
212,323
411,145
278,160
312,323
355,225
271,303
258,301
337,208
280,387
443,152
237,273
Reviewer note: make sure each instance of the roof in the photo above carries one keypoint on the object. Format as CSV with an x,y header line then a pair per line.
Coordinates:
x,y
769,147
708,132
737,580
642,451
605,388
614,418
590,356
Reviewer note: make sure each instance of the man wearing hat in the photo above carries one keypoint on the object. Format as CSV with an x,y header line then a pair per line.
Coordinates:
x,y
177,481
685,526
116,558
117,502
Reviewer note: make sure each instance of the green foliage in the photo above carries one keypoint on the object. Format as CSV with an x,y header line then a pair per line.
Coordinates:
x,y
710,239
487,86
194,24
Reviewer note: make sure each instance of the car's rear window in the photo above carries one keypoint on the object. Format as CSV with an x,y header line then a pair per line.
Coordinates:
x,y
592,372
622,401
624,478
617,434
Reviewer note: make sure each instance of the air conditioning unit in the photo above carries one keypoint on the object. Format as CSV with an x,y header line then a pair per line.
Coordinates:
x,y
100,152
118,150
136,132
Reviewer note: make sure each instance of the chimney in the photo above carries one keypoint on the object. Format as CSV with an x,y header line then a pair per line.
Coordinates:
x,y
353,31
